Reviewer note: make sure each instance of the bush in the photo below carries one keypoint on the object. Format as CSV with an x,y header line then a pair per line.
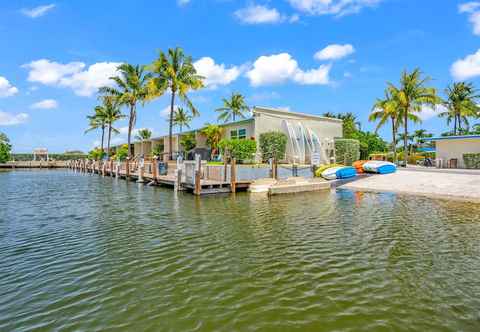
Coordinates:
x,y
347,150
5,148
273,144
472,160
122,153
188,142
96,154
240,149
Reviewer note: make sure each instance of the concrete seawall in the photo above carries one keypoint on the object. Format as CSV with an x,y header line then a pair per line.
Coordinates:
x,y
35,164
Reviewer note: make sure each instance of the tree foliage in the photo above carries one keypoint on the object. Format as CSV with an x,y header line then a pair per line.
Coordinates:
x,y
240,149
232,108
273,144
188,141
5,148
347,150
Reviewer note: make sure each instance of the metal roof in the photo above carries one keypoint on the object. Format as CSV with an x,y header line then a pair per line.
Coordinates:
x,y
444,138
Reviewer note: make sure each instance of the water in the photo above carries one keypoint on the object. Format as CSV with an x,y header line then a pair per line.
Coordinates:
x,y
86,253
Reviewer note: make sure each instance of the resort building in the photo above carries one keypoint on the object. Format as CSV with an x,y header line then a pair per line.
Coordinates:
x,y
450,150
309,136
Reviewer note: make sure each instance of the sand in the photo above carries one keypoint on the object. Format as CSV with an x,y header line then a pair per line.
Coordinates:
x,y
432,183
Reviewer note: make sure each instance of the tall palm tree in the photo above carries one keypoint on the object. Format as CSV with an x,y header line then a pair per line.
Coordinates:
x,y
175,72
461,103
420,135
97,121
385,110
411,95
132,89
232,108
181,118
143,135
112,113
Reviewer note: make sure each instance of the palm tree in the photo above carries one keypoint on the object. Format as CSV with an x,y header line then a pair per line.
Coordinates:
x,y
112,114
411,95
175,72
97,121
181,118
143,135
476,129
420,135
214,134
132,88
232,108
384,110
461,103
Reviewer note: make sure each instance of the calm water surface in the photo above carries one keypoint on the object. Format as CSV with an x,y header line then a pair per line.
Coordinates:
x,y
85,253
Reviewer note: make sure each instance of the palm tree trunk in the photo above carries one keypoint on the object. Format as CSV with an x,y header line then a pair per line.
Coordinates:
x,y
234,116
108,140
394,135
170,129
455,125
103,138
130,127
405,139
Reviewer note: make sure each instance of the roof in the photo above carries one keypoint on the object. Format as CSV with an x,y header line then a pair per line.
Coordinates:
x,y
283,112
445,138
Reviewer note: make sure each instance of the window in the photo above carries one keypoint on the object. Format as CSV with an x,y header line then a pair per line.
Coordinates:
x,y
238,134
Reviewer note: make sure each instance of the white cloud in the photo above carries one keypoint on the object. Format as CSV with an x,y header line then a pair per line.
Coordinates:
x,y
332,7
183,2
468,7
258,14
50,72
6,88
429,112
334,52
9,119
86,83
72,75
45,104
472,8
215,74
37,11
279,68
466,68
165,112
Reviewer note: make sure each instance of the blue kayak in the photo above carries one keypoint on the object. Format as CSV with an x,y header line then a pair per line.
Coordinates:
x,y
346,172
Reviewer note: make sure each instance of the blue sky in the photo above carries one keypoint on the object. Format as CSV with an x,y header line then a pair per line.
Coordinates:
x,y
310,56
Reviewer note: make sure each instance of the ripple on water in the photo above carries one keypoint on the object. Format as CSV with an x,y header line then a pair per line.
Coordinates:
x,y
82,252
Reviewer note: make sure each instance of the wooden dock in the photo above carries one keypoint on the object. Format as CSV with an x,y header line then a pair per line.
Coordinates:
x,y
196,178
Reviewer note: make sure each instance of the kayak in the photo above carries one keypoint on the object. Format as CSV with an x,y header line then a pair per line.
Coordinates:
x,y
379,167
339,172
359,165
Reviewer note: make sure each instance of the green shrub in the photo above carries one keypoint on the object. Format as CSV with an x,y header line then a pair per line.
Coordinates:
x,y
347,150
122,153
188,142
5,148
472,160
273,144
240,149
96,154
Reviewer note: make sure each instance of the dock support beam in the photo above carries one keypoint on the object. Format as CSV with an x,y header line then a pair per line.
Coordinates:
x,y
198,173
233,176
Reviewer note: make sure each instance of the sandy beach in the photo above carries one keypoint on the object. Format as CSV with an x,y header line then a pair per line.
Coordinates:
x,y
449,184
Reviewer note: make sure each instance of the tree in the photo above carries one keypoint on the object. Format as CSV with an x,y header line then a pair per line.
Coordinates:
x,y
232,108
188,142
181,118
175,72
411,95
97,121
420,135
214,134
5,148
132,89
461,103
273,144
143,135
350,122
385,110
111,113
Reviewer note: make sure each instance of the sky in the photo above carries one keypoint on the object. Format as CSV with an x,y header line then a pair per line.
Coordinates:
x,y
309,56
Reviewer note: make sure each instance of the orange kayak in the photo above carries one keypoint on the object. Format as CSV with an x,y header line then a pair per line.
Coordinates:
x,y
359,165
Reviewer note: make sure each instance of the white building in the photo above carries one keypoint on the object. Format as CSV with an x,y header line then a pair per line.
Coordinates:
x,y
307,134
450,149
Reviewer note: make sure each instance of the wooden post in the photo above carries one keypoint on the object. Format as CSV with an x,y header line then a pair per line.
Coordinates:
x,y
233,175
198,170
141,171
104,166
225,169
127,168
155,168
111,167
